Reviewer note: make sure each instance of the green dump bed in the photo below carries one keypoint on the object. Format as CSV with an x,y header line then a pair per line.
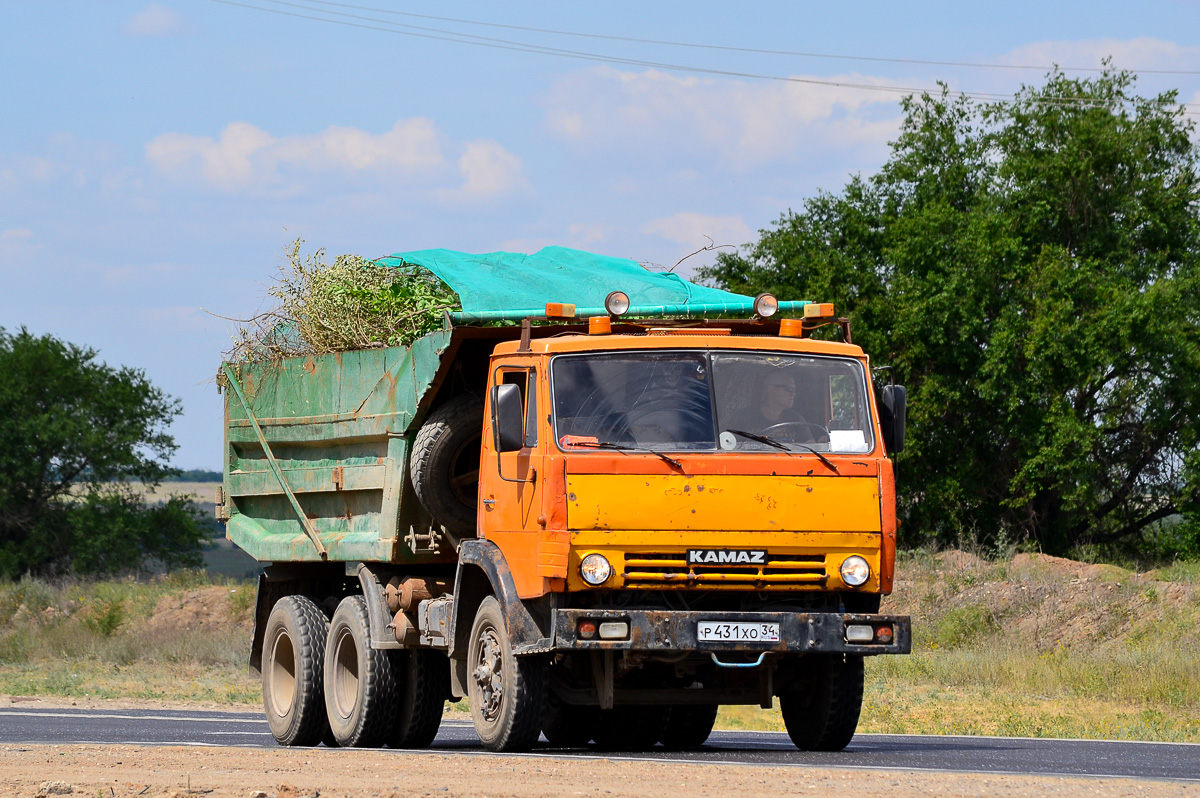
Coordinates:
x,y
340,427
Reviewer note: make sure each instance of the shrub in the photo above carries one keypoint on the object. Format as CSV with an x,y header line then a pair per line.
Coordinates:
x,y
106,617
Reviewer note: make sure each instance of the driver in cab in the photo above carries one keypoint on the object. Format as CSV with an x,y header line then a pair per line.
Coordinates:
x,y
775,402
774,413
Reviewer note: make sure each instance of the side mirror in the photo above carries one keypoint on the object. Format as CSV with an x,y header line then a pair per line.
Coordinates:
x,y
508,418
893,414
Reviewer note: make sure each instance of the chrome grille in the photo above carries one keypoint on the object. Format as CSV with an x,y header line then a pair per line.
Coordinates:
x,y
663,569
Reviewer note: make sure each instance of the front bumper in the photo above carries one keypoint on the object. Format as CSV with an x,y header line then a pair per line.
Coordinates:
x,y
666,631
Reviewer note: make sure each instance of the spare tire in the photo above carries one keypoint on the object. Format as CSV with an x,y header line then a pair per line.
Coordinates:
x,y
445,463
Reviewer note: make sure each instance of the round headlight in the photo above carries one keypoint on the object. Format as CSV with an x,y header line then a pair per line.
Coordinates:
x,y
855,570
617,303
766,305
595,569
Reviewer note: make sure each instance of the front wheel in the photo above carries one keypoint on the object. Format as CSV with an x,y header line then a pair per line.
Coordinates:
x,y
689,725
507,693
569,725
821,713
631,727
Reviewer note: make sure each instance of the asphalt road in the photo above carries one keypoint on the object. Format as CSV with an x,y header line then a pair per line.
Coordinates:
x,y
872,751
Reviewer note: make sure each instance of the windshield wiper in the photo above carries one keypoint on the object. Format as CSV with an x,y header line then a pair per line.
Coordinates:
x,y
784,447
760,438
822,457
620,447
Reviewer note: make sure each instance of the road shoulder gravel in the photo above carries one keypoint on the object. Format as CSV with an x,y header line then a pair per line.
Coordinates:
x,y
119,771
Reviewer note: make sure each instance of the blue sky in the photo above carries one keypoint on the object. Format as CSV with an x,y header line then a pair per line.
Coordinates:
x,y
156,157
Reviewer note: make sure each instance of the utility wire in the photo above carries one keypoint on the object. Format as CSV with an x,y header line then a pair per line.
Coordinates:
x,y
735,49
439,34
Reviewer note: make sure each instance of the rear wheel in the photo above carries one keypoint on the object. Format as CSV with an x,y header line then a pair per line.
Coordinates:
x,y
689,725
422,684
292,671
631,728
569,725
359,686
821,714
507,693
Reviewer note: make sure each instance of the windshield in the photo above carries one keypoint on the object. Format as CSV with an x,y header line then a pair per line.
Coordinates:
x,y
687,400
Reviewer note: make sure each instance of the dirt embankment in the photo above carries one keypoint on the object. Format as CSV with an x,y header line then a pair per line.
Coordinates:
x,y
1041,601
131,772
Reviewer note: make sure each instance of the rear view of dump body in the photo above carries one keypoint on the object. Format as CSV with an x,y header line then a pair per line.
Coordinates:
x,y
597,532
340,428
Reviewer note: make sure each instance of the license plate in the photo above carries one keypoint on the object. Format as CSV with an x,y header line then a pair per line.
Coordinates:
x,y
716,631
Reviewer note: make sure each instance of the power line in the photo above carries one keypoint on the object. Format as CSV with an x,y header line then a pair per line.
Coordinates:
x,y
439,34
735,49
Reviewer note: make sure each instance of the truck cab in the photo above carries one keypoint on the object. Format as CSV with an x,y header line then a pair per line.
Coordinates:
x,y
696,507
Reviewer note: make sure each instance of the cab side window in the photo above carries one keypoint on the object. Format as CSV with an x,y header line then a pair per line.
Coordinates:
x,y
526,381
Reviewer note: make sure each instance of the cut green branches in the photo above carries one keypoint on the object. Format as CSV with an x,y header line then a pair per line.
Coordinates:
x,y
352,303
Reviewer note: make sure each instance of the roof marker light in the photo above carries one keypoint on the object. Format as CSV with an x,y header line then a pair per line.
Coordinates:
x,y
560,310
617,303
599,325
791,328
766,305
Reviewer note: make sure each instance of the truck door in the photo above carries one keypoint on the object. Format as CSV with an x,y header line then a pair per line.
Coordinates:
x,y
512,483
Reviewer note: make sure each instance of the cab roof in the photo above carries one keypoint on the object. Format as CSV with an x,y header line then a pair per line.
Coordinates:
x,y
595,343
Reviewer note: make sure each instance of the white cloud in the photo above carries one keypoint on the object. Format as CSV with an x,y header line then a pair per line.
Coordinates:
x,y
578,235
143,274
245,155
1143,52
693,229
581,234
64,159
15,243
489,171
154,20
527,245
744,124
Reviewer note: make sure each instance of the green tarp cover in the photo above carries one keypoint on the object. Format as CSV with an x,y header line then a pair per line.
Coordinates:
x,y
512,281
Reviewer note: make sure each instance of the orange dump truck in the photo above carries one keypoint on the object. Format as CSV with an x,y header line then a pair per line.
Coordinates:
x,y
599,504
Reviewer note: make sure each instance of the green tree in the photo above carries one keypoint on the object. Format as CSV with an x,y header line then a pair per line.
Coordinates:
x,y
1030,268
73,433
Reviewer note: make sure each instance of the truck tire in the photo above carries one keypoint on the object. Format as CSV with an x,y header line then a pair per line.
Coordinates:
x,y
445,463
507,693
422,684
823,714
631,728
359,686
569,725
292,671
689,725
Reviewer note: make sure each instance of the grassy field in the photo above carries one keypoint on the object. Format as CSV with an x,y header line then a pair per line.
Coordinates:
x,y
1031,646
179,637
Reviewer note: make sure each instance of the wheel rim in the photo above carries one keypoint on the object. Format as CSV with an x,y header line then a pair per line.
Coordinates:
x,y
283,675
345,674
489,673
